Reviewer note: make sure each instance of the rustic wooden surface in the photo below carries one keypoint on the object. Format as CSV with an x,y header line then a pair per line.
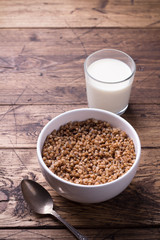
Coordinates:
x,y
43,45
71,13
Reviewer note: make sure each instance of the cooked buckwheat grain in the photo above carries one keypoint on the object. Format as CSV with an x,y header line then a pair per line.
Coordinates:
x,y
89,152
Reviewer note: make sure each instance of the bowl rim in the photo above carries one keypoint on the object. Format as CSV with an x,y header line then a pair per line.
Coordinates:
x,y
90,110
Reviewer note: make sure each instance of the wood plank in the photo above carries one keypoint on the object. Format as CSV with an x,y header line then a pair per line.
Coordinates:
x,y
59,234
46,66
138,206
71,13
21,124
145,120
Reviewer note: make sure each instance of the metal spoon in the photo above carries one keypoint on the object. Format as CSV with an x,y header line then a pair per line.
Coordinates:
x,y
41,202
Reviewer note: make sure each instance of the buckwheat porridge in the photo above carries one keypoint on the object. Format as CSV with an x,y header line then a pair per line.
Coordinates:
x,y
89,152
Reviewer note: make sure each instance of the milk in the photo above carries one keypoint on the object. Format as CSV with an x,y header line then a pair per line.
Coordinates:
x,y
106,88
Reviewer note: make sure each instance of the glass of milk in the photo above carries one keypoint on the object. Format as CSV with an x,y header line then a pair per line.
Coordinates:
x,y
109,76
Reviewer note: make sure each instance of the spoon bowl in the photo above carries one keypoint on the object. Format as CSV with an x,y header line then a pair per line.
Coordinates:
x,y
37,197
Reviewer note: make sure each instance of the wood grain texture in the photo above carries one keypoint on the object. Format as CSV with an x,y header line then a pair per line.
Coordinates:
x,y
23,123
92,234
96,13
43,46
46,66
137,206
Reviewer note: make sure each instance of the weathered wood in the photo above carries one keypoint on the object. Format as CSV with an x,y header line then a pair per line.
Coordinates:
x,y
23,123
137,206
46,66
43,45
92,234
71,13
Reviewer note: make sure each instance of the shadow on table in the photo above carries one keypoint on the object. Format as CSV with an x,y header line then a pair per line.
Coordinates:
x,y
133,207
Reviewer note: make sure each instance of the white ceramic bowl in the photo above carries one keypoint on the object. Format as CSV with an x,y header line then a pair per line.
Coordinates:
x,y
88,193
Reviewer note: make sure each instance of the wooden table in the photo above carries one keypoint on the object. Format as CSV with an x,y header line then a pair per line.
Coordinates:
x,y
43,45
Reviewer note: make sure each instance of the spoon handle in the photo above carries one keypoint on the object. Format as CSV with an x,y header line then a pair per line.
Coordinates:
x,y
71,228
